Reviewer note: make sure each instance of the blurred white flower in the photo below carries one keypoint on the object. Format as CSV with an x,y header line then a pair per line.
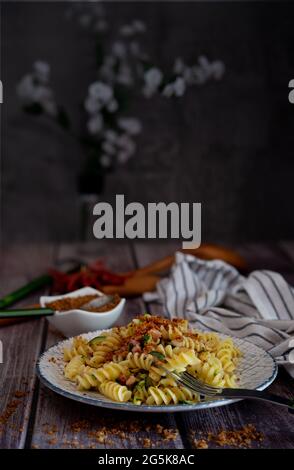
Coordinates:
x,y
153,78
95,124
101,92
199,75
105,161
119,50
89,15
127,148
176,88
41,71
168,90
218,69
124,156
130,125
42,94
139,26
31,92
50,108
206,70
100,95
136,27
121,145
179,66
108,147
111,135
188,75
204,64
92,105
26,89
112,106
179,86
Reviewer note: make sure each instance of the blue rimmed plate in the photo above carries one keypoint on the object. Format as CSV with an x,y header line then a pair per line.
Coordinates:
x,y
256,370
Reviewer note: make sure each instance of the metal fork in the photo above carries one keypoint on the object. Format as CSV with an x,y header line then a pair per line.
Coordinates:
x,y
196,385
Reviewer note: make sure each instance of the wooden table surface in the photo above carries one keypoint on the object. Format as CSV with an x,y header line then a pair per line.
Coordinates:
x,y
33,416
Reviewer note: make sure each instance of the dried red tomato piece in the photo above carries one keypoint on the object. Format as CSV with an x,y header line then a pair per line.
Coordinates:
x,y
94,275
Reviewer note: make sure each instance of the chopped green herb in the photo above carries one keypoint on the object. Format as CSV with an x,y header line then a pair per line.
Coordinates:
x,y
146,339
139,385
148,382
158,355
142,375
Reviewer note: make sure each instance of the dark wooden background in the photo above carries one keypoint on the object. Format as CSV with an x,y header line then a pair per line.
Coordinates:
x,y
228,145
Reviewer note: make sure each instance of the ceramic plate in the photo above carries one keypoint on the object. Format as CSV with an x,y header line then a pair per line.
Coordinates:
x,y
256,370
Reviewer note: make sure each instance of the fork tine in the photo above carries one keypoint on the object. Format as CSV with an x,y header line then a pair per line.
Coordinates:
x,y
183,382
192,377
200,382
195,386
189,381
202,389
205,386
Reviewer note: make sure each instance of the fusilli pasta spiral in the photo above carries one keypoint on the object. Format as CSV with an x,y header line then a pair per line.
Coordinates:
x,y
115,391
91,377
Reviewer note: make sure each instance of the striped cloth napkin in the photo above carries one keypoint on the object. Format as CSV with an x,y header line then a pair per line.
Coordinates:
x,y
212,295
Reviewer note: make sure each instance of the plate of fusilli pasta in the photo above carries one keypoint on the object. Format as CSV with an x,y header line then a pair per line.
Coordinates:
x,y
121,368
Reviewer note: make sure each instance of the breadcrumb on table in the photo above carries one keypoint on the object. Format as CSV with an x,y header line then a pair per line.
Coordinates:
x,y
243,437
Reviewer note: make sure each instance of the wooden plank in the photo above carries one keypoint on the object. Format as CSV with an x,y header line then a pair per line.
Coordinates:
x,y
63,423
271,420
21,344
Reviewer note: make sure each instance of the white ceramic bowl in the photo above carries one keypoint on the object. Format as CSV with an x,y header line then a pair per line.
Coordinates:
x,y
75,322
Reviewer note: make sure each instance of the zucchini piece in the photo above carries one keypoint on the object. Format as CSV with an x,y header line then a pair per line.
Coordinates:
x,y
96,340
